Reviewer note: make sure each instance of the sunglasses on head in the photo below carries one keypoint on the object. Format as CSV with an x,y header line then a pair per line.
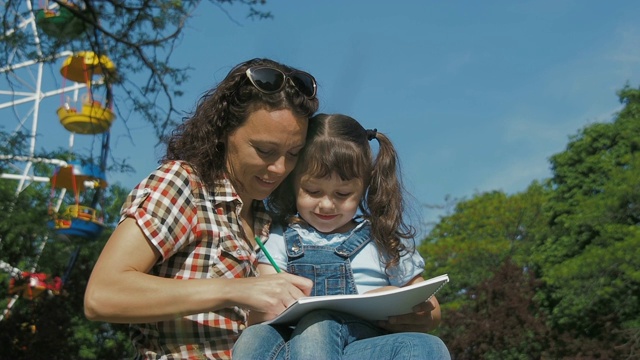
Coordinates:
x,y
271,80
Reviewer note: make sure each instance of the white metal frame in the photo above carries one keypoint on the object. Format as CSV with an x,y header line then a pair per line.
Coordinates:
x,y
28,73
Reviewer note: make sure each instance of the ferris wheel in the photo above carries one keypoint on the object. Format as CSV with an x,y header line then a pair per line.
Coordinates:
x,y
36,90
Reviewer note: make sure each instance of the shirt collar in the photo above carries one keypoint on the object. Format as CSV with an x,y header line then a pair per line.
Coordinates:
x,y
223,191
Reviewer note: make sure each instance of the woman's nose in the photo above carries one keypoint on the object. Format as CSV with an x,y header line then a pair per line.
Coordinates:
x,y
279,166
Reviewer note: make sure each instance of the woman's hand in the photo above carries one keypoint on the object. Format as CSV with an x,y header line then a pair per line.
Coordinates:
x,y
270,294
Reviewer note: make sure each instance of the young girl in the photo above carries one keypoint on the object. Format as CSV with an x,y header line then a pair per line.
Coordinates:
x,y
342,252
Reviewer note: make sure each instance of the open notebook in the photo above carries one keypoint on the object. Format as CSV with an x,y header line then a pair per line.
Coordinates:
x,y
370,306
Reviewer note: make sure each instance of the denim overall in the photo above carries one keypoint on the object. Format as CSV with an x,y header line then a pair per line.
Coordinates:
x,y
325,334
328,266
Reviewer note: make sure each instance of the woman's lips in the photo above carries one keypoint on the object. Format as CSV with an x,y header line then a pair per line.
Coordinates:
x,y
266,183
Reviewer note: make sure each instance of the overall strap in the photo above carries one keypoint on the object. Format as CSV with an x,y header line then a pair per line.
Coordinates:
x,y
354,243
293,243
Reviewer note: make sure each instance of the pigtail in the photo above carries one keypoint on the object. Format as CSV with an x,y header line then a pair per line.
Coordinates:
x,y
385,203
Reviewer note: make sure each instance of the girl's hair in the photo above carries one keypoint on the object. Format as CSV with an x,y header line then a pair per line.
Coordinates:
x,y
200,139
339,144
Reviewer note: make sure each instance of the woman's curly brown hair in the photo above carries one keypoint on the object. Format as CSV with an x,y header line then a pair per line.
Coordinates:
x,y
200,139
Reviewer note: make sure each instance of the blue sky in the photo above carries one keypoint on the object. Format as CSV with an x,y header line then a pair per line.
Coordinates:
x,y
476,95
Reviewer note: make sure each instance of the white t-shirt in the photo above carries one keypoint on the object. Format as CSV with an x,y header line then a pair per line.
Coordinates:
x,y
368,269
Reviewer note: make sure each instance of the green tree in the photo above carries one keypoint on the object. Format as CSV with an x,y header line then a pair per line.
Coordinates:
x,y
500,320
589,260
473,242
573,242
54,325
489,309
50,326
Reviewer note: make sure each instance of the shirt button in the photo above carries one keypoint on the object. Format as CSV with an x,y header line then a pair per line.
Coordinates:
x,y
238,252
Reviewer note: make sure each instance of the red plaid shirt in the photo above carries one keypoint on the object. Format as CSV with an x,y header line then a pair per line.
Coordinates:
x,y
198,236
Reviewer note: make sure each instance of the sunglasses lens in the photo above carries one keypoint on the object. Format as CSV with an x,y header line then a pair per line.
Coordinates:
x,y
266,79
304,82
270,80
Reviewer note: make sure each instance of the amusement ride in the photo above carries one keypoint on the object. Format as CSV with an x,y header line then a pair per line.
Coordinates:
x,y
85,110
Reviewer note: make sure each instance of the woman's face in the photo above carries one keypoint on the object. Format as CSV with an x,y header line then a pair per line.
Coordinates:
x,y
263,151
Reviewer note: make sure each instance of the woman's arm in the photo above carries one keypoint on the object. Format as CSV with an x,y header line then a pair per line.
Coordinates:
x,y
120,290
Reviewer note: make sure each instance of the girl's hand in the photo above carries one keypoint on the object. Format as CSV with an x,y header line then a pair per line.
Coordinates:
x,y
425,318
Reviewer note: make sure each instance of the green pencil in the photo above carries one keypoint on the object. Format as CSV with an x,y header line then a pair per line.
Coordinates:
x,y
266,253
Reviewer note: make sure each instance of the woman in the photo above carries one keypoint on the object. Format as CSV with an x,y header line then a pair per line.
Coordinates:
x,y
196,217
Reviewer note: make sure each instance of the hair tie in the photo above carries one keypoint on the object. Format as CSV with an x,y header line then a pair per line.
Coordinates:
x,y
371,134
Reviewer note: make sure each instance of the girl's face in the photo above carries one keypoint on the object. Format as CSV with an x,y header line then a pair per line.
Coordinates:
x,y
263,151
328,204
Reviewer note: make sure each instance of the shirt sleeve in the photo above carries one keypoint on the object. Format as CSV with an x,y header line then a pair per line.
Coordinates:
x,y
276,247
163,206
411,265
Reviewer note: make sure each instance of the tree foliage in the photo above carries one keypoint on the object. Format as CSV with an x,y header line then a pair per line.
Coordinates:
x,y
589,262
50,326
472,243
500,321
572,289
